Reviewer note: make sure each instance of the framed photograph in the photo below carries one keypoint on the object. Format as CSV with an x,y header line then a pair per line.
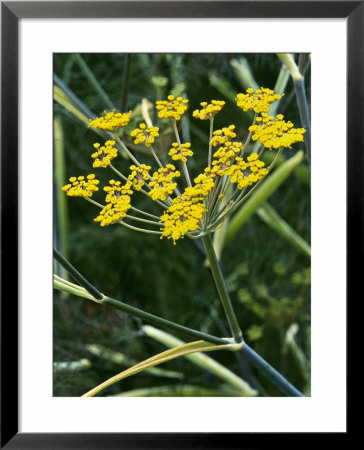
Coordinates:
x,y
175,302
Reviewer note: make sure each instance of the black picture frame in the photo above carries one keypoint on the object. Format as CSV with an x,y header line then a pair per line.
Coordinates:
x,y
11,12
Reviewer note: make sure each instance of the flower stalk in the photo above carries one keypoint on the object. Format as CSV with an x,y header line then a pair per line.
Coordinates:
x,y
222,288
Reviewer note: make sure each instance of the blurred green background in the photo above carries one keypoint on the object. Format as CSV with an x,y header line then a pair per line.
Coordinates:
x,y
268,278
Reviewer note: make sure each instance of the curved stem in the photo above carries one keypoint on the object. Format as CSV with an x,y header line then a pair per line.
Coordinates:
x,y
142,230
139,219
222,288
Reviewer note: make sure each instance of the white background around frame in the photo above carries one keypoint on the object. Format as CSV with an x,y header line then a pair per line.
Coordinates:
x,y
325,410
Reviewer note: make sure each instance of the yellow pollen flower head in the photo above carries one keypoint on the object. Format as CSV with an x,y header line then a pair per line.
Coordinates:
x,y
172,108
104,154
258,101
114,212
208,110
139,175
181,217
116,190
111,121
163,183
245,173
180,152
145,135
276,133
221,136
79,187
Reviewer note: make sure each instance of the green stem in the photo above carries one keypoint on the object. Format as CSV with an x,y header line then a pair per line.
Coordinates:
x,y
126,150
124,92
156,157
77,276
142,230
222,288
151,318
92,80
270,372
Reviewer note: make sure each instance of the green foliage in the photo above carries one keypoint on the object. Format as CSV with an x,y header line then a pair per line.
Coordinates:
x,y
268,278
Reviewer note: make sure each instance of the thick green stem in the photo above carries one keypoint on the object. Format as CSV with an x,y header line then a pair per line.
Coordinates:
x,y
222,288
77,276
270,372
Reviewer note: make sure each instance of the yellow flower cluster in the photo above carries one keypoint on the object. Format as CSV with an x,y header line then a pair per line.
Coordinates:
x,y
79,187
208,110
187,210
181,217
145,135
104,154
163,183
246,173
118,203
113,212
173,108
221,136
276,133
180,152
111,121
259,101
139,175
115,191
224,156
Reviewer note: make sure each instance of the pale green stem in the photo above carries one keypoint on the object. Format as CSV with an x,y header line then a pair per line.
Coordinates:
x,y
142,230
222,288
156,157
93,202
139,219
144,212
126,150
187,175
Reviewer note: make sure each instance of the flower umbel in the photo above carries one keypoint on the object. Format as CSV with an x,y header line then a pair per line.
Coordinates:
x,y
208,110
111,121
172,108
104,154
145,135
114,212
180,152
276,133
79,187
139,175
258,101
163,183
223,135
246,173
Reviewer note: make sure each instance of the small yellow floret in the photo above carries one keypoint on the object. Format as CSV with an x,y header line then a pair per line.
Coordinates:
x,y
139,175
145,135
163,183
223,135
180,152
276,133
172,108
79,187
111,121
208,110
259,101
104,154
